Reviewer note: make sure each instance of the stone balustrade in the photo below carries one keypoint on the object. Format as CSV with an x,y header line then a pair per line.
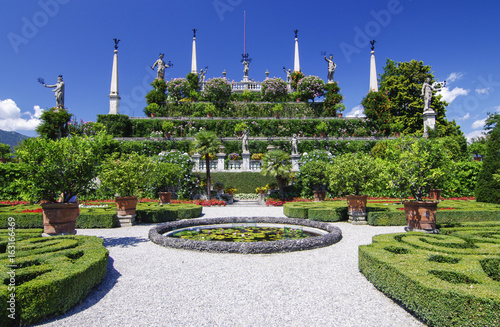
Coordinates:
x,y
245,165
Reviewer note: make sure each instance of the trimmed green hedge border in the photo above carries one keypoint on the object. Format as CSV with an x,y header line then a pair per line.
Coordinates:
x,y
450,279
168,212
320,211
52,275
389,218
244,182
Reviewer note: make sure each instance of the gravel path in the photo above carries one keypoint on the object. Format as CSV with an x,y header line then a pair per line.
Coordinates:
x,y
149,285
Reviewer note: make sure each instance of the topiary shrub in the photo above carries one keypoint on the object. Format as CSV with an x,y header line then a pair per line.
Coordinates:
x,y
116,125
54,124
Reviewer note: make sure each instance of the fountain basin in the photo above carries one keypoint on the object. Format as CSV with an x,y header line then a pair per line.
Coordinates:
x,y
327,235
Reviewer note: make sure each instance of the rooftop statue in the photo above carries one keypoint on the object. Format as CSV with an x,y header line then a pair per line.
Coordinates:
x,y
58,90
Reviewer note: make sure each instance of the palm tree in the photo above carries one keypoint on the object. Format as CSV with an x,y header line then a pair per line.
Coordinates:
x,y
206,142
277,163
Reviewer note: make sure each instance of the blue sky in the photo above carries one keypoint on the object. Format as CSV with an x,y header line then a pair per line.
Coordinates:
x,y
44,38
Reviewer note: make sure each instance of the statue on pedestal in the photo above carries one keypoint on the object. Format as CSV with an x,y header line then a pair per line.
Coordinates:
x,y
201,76
427,89
246,69
331,68
294,144
288,75
58,91
244,141
161,66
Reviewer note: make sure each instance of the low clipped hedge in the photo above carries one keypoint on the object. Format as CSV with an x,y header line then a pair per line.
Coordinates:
x,y
447,279
84,221
244,182
329,211
388,218
168,212
52,275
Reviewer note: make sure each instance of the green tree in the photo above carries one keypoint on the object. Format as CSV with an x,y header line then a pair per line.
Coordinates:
x,y
54,124
378,110
488,186
5,151
157,95
402,83
277,163
477,147
333,98
206,142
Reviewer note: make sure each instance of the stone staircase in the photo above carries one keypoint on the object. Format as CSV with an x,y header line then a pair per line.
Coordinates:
x,y
245,203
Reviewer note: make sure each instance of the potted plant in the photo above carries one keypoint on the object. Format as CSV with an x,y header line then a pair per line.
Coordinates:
x,y
277,109
209,110
353,174
261,189
239,128
233,156
58,170
417,165
313,174
126,175
167,127
339,107
165,176
322,128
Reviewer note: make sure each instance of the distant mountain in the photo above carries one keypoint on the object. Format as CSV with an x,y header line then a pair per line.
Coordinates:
x,y
11,138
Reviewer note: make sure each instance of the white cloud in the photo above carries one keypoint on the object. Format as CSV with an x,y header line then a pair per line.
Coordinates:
x,y
454,77
474,134
497,108
357,111
450,95
479,123
483,91
467,116
11,118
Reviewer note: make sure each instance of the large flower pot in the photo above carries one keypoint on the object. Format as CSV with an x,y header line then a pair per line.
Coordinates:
x,y
126,205
165,197
356,209
60,218
435,194
421,216
319,196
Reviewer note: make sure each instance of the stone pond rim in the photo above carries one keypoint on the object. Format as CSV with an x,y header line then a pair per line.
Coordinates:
x,y
333,235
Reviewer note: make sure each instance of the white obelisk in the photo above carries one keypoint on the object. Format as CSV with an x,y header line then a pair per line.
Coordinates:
x,y
194,66
296,62
114,97
373,74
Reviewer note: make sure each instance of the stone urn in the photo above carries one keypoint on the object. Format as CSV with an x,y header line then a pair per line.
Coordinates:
x,y
60,218
435,194
421,216
319,195
126,205
356,209
165,197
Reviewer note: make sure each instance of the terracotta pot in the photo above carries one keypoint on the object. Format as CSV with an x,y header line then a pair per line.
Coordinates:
x,y
165,197
339,115
322,134
261,192
3,160
126,205
435,194
356,208
277,116
153,115
209,115
397,134
60,218
319,196
421,216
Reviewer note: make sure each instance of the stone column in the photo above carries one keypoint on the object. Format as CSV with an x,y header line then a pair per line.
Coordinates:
x,y
220,161
295,162
196,159
429,121
114,98
246,161
373,74
296,62
194,67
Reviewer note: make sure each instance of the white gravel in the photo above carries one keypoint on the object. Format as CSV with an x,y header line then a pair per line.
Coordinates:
x,y
149,285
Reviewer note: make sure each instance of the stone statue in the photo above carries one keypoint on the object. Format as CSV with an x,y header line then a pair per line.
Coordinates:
x,y
288,75
294,144
331,68
246,68
427,89
244,141
58,91
161,67
201,76
116,43
372,42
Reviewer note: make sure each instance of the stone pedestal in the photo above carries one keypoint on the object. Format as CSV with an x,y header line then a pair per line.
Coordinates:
x,y
126,221
246,161
221,161
262,200
196,160
295,162
429,121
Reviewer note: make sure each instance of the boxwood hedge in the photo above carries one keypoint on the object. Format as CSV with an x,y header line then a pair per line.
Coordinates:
x,y
51,275
449,279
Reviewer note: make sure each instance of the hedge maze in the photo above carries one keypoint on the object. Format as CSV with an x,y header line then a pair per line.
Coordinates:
x,y
448,279
51,275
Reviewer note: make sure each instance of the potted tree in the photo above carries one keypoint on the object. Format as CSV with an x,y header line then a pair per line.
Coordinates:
x,y
322,128
126,175
56,172
277,109
416,166
167,127
165,176
313,173
353,174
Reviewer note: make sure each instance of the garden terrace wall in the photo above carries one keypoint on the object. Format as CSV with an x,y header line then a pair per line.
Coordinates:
x,y
450,279
52,275
265,127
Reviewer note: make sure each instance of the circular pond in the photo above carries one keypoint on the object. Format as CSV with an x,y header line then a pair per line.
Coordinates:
x,y
319,235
